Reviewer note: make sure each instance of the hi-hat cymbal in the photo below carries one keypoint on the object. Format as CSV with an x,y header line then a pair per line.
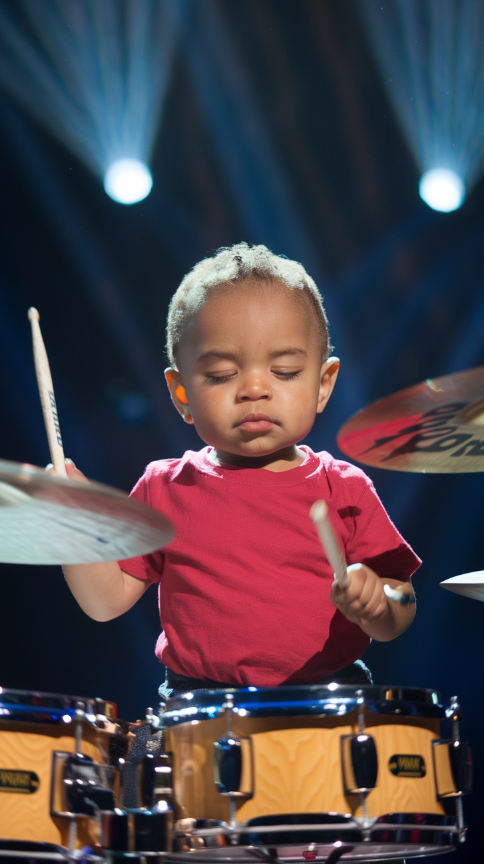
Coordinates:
x,y
469,584
433,427
46,519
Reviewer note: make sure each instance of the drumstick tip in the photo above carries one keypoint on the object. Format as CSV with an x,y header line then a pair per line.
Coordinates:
x,y
318,511
33,314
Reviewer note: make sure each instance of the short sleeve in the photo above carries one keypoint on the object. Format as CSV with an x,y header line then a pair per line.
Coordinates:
x,y
375,541
147,567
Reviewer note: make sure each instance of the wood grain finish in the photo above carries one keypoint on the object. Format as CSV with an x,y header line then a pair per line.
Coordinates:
x,y
297,766
29,747
403,794
296,771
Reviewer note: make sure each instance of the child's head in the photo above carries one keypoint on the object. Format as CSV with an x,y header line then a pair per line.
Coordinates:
x,y
227,268
247,339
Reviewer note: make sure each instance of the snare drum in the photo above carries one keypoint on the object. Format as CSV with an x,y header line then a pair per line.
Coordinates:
x,y
299,769
59,764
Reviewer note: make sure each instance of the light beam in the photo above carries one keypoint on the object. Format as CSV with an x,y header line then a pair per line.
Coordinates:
x,y
94,73
432,65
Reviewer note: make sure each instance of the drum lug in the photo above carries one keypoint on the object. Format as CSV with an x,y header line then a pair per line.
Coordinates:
x,y
233,767
80,787
452,768
360,763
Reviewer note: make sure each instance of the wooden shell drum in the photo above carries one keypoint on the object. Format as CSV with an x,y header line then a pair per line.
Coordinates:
x,y
59,764
299,771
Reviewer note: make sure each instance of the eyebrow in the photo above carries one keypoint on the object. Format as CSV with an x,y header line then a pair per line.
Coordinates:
x,y
228,355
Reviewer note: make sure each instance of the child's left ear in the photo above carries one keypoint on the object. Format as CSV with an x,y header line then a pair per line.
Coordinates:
x,y
329,374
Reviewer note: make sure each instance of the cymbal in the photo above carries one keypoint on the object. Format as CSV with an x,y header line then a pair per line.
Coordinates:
x,y
47,519
434,427
469,584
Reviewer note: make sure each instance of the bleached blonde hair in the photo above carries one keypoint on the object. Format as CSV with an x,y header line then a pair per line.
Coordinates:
x,y
229,266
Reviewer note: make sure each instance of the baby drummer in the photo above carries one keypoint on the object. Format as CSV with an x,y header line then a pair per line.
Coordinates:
x,y
246,594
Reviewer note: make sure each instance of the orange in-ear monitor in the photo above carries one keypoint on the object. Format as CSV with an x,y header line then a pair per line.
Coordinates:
x,y
181,395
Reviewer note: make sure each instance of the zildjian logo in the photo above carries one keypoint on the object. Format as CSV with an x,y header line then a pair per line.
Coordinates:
x,y
434,434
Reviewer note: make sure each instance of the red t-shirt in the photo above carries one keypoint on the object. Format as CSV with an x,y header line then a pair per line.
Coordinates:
x,y
244,585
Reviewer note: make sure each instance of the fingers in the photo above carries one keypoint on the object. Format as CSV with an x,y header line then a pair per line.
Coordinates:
x,y
363,599
72,472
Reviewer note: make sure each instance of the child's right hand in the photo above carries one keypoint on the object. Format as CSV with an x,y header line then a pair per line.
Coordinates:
x,y
72,472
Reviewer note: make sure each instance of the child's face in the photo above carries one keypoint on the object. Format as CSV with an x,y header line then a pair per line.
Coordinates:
x,y
250,363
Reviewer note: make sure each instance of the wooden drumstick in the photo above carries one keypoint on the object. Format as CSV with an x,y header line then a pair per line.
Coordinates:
x,y
47,398
329,542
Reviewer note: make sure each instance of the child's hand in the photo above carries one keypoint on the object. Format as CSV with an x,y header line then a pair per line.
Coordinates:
x,y
72,472
363,600
365,603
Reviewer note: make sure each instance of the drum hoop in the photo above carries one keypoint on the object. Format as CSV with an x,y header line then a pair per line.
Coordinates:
x,y
52,707
304,700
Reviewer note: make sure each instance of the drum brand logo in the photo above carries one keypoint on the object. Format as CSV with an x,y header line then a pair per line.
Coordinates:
x,y
405,765
24,782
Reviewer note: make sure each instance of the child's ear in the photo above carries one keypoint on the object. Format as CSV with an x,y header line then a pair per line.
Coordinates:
x,y
329,374
177,393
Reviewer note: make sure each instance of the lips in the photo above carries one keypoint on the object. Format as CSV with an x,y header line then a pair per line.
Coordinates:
x,y
257,423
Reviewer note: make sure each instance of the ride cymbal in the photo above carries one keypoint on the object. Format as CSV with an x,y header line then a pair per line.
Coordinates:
x,y
46,519
469,584
435,427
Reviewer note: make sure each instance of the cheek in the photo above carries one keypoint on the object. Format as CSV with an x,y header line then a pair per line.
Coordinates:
x,y
208,407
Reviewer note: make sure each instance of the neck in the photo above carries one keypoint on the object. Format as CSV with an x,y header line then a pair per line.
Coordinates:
x,y
281,460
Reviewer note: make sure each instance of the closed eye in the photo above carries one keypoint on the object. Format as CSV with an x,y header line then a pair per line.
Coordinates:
x,y
220,379
287,376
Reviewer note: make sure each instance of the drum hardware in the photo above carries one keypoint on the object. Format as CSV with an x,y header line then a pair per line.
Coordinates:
x,y
146,832
80,786
453,766
360,763
233,767
228,708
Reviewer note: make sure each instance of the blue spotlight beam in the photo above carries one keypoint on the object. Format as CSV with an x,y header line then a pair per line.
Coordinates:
x,y
253,167
94,73
432,65
105,292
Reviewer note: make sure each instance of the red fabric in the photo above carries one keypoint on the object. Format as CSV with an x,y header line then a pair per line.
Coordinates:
x,y
244,585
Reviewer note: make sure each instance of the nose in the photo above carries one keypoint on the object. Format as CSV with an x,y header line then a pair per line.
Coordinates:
x,y
253,386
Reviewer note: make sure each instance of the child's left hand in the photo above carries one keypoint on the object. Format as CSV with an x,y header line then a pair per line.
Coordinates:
x,y
365,603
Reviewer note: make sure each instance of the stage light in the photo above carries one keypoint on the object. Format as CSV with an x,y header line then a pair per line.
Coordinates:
x,y
430,59
442,189
96,75
128,181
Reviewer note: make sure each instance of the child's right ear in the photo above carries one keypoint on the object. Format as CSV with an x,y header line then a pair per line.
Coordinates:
x,y
177,393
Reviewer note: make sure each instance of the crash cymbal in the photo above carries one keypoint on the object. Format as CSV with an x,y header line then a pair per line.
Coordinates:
x,y
46,519
469,584
433,427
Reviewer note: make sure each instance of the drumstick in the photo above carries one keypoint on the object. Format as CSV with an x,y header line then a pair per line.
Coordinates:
x,y
329,541
47,398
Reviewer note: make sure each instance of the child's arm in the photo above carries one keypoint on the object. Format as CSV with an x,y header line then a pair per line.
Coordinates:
x,y
365,603
103,591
